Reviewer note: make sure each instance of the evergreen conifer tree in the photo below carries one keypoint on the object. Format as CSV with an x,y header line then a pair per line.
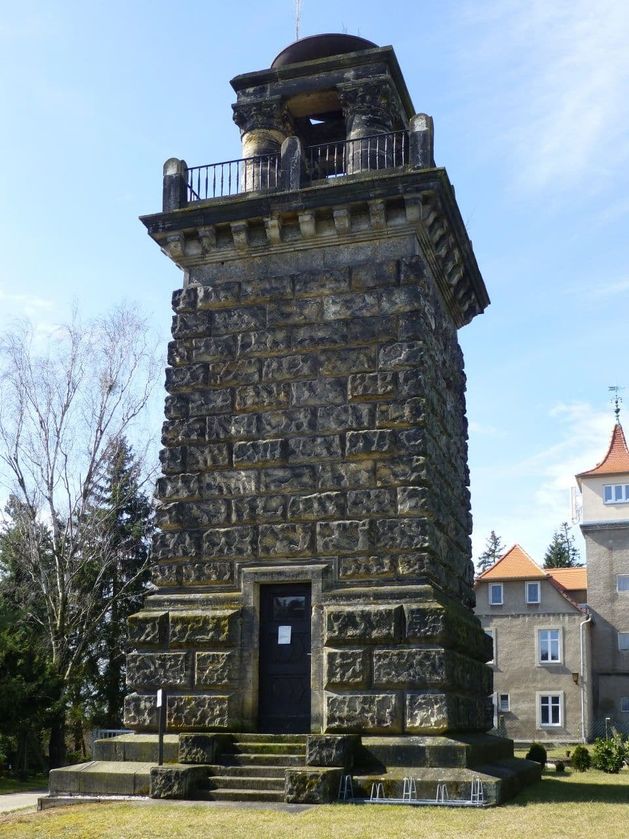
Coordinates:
x,y
494,548
562,551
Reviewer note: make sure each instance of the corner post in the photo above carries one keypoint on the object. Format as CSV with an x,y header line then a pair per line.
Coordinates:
x,y
292,164
175,190
422,141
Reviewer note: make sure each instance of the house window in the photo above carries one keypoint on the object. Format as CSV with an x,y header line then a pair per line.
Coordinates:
x,y
616,493
548,644
492,635
624,704
622,582
495,594
550,709
623,642
503,702
532,592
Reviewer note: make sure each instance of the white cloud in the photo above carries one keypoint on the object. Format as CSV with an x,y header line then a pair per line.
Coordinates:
x,y
564,105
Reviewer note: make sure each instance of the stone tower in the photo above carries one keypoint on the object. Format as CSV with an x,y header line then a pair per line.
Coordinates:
x,y
314,556
605,527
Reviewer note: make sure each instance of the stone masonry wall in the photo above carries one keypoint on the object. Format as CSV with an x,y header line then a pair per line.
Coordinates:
x,y
318,417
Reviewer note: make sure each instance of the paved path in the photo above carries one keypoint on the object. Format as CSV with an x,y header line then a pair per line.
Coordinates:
x,y
17,800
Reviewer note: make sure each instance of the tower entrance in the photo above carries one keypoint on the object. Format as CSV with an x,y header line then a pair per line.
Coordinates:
x,y
284,666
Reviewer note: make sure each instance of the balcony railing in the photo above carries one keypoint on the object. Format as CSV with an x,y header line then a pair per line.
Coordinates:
x,y
295,167
233,177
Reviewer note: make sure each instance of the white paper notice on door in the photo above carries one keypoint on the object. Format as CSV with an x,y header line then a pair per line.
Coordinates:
x,y
283,634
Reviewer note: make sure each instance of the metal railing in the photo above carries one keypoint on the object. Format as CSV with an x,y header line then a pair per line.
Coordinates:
x,y
347,157
233,177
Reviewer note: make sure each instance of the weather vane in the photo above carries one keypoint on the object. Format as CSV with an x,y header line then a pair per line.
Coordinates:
x,y
616,399
297,18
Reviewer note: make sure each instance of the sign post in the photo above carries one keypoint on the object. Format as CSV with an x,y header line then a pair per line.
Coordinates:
x,y
161,712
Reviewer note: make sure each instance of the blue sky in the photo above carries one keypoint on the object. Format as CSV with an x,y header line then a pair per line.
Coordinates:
x,y
531,118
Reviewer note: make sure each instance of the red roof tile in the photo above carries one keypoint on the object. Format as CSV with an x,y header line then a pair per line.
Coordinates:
x,y
515,564
572,579
617,458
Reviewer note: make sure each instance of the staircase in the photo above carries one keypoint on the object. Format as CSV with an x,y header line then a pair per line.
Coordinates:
x,y
252,767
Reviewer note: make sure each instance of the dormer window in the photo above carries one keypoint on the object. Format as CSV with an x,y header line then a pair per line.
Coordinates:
x,y
616,493
533,594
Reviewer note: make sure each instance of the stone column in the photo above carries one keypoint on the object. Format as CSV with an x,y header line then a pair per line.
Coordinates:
x,y
175,188
264,125
370,108
421,141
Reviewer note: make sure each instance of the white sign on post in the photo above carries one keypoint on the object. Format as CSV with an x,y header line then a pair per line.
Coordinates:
x,y
283,634
159,698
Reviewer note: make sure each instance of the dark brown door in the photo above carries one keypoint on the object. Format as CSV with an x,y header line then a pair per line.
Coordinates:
x,y
284,687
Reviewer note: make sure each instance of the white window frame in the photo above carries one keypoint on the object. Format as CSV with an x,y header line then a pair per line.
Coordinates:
x,y
539,592
625,579
493,586
623,641
492,635
624,704
507,708
549,629
550,695
615,493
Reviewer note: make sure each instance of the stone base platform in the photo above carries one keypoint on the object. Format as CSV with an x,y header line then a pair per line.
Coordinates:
x,y
299,769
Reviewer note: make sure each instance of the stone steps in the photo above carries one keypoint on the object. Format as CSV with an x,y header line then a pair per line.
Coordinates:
x,y
247,771
243,795
251,759
264,748
101,777
141,748
249,782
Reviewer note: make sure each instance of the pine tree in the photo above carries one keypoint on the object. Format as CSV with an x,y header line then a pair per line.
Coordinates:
x,y
494,548
562,551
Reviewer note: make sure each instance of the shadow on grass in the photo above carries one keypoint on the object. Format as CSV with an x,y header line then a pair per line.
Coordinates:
x,y
554,790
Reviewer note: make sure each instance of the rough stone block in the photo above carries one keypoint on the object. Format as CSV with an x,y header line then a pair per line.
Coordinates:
x,y
370,443
262,397
213,349
324,505
345,475
284,539
147,629
367,567
229,541
374,625
290,368
410,668
242,371
294,312
258,452
186,378
176,782
166,574
210,402
198,712
346,668
230,483
414,501
320,336
305,449
402,534
214,669
179,487
430,713
342,362
395,301
398,471
291,479
192,514
371,502
401,355
191,325
140,711
345,417
368,330
204,458
175,545
217,296
379,713
267,342
177,431
261,289
158,670
369,386
294,421
356,305
411,412
321,283
331,750
238,320
261,508
207,573
319,392
215,628
375,274
311,786
342,537
199,748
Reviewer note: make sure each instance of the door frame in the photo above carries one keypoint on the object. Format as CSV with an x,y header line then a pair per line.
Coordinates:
x,y
252,579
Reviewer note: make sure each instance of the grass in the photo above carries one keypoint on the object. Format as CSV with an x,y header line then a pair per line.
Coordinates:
x,y
574,806
37,782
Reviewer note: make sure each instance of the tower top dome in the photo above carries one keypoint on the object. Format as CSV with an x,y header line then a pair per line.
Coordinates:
x,y
320,46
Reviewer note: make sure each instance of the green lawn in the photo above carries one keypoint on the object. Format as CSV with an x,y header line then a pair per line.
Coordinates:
x,y
574,806
14,785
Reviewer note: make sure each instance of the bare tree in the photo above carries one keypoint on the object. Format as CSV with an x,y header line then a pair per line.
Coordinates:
x,y
61,410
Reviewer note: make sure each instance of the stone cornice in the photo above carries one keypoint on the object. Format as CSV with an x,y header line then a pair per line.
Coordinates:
x,y
355,209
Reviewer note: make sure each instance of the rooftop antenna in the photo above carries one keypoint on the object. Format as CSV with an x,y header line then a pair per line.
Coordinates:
x,y
297,18
616,399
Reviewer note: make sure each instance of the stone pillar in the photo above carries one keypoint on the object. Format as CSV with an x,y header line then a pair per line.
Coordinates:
x,y
175,189
370,108
292,162
264,125
421,141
